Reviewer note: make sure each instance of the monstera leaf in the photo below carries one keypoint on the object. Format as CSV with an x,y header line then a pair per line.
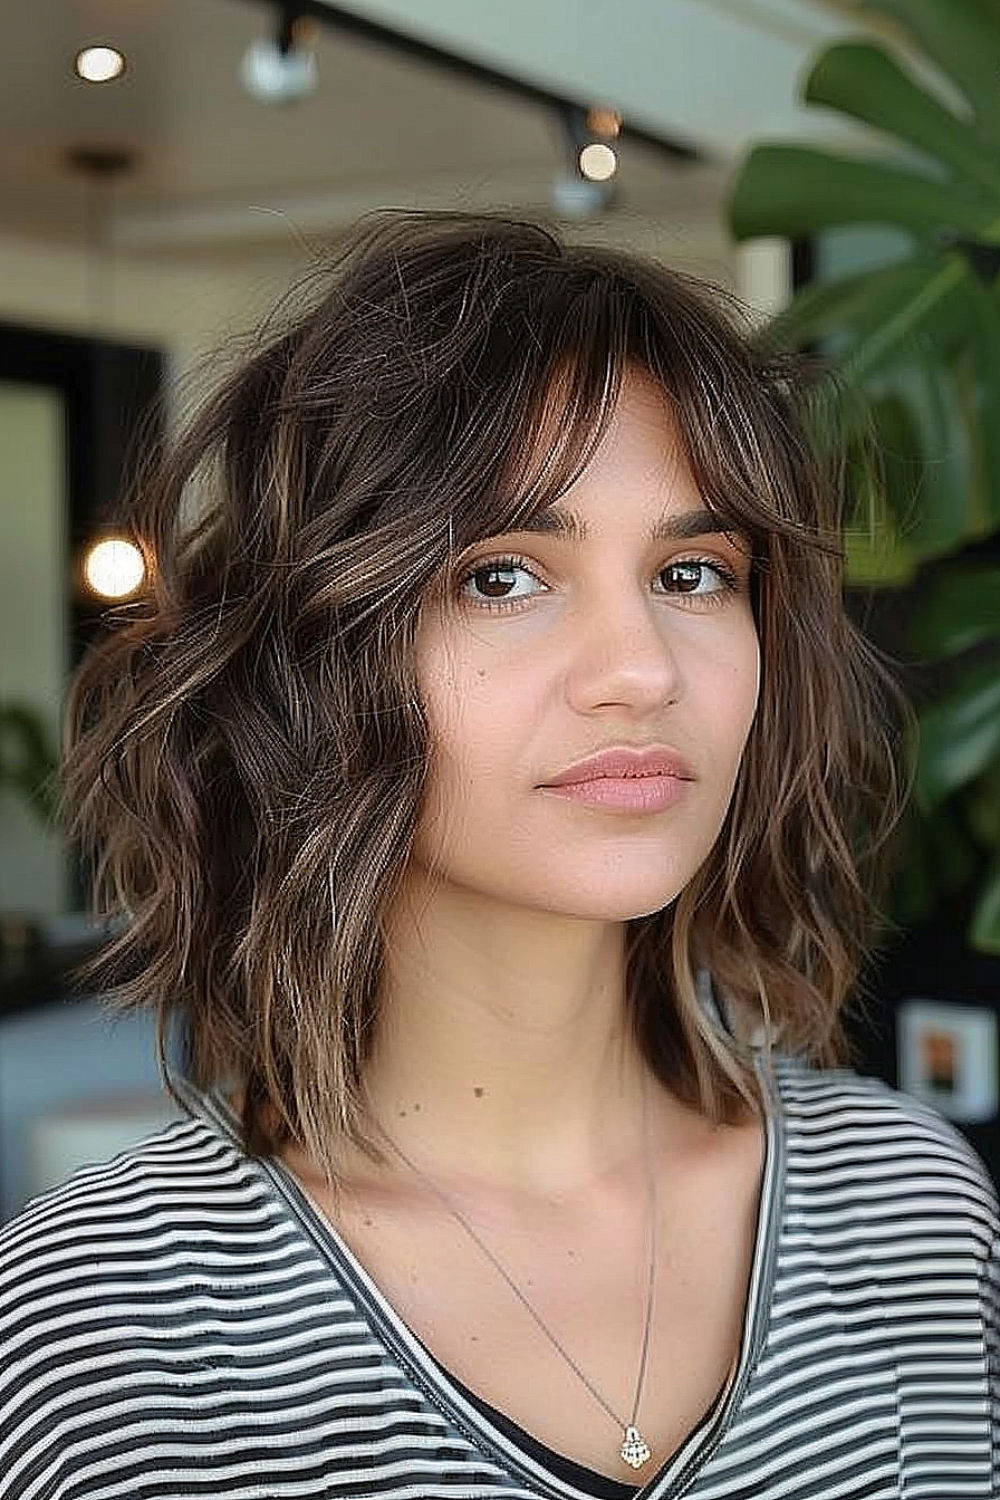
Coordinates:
x,y
918,340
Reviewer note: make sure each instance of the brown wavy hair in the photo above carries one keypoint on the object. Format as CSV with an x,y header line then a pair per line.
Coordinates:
x,y
245,749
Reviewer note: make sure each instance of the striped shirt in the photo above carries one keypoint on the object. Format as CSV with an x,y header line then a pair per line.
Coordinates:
x,y
182,1322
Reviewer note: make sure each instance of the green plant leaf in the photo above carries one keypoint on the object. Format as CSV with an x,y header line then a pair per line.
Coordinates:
x,y
912,497
798,190
984,929
932,485
977,383
876,553
932,857
877,316
913,883
916,350
981,805
963,38
861,80
959,735
882,561
893,332
909,317
958,609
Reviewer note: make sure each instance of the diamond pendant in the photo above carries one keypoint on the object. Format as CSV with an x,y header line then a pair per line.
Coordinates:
x,y
633,1449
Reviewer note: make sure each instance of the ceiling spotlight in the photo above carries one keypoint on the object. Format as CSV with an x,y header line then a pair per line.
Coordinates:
x,y
597,162
606,123
99,64
587,187
283,67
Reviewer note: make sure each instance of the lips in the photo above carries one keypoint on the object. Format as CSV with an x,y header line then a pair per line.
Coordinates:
x,y
625,761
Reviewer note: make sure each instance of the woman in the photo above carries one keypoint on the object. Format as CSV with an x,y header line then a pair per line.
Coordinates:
x,y
496,792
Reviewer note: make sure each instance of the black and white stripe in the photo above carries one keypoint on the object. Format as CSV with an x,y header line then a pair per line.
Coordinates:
x,y
181,1322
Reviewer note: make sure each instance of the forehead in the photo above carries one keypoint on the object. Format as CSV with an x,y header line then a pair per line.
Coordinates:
x,y
642,436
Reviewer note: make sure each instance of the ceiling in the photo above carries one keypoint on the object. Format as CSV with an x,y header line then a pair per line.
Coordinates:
x,y
712,72
389,123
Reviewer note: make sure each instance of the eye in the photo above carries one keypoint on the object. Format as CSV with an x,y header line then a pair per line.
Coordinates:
x,y
691,572
706,580
487,573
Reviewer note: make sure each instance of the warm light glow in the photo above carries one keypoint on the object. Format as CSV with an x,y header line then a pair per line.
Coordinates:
x,y
598,162
605,122
99,64
114,568
305,32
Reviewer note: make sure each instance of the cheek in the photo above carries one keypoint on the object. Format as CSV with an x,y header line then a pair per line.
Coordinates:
x,y
465,714
465,711
740,693
469,697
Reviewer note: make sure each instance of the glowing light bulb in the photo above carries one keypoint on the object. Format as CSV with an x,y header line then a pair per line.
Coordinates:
x,y
114,568
99,64
598,162
605,122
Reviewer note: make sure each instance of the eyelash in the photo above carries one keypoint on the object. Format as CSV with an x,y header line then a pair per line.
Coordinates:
x,y
730,581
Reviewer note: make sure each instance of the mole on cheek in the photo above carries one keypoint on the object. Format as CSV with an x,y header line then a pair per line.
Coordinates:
x,y
479,1092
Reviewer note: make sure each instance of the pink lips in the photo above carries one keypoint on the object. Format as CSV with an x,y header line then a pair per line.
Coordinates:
x,y
632,779
626,761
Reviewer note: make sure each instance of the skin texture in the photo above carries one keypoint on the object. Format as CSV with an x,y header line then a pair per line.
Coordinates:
x,y
501,1053
502,1065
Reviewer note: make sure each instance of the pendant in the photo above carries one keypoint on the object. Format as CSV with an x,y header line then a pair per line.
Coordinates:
x,y
633,1449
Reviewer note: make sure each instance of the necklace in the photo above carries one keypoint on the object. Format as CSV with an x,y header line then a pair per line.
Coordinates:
x,y
634,1450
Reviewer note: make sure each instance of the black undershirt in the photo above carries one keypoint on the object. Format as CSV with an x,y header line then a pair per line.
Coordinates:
x,y
598,1485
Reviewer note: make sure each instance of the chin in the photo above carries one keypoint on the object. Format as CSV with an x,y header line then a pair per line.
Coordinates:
x,y
605,904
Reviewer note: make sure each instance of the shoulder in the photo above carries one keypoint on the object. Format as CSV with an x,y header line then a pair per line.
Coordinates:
x,y
143,1291
123,1287
153,1186
155,1181
128,1238
856,1139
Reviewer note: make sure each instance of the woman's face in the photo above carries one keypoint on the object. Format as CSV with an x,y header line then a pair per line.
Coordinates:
x,y
615,639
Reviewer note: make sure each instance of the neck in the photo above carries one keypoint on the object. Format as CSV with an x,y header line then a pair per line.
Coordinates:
x,y
503,1057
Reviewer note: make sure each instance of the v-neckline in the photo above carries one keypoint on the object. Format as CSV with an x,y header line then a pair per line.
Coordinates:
x,y
431,1378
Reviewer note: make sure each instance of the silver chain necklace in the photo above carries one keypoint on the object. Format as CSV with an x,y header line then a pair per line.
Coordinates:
x,y
634,1450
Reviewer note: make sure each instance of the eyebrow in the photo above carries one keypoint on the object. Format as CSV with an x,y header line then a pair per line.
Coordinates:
x,y
568,525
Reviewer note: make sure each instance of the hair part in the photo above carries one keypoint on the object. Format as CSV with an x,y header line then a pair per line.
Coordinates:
x,y
245,751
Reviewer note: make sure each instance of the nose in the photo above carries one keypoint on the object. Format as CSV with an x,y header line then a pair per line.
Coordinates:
x,y
625,650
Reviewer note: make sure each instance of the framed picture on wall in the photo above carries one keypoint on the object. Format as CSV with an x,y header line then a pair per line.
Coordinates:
x,y
948,1056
